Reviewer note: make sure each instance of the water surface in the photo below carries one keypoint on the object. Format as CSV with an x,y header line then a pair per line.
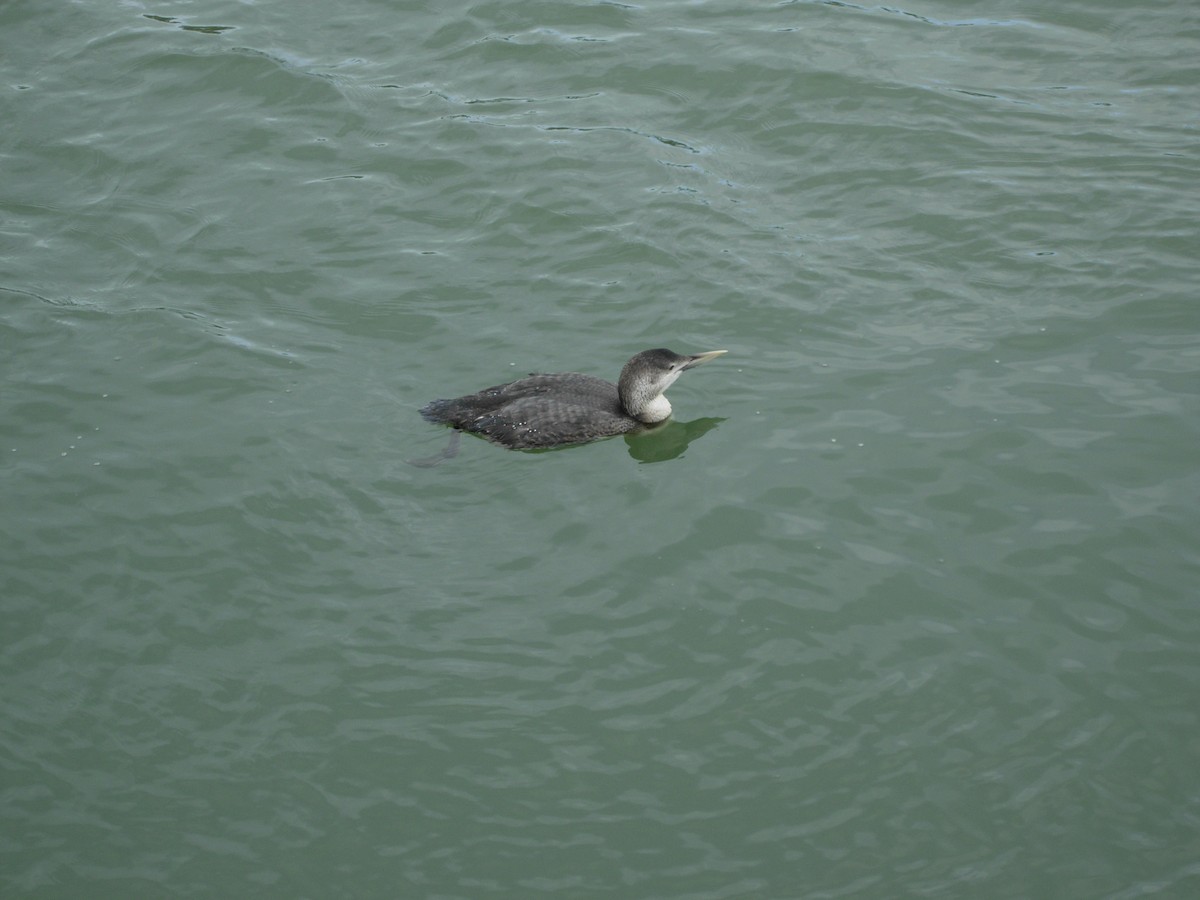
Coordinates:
x,y
903,603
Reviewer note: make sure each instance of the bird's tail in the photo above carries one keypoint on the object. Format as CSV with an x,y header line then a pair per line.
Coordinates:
x,y
439,412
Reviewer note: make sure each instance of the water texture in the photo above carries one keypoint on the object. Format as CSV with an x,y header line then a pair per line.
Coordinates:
x,y
903,604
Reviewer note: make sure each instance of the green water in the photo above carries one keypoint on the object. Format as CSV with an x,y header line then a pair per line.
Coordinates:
x,y
904,603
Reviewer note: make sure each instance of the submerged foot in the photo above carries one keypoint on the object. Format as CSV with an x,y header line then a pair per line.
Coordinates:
x,y
449,452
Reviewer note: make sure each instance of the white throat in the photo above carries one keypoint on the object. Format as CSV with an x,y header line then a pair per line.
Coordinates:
x,y
656,410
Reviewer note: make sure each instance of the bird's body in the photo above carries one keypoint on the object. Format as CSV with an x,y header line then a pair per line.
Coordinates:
x,y
568,407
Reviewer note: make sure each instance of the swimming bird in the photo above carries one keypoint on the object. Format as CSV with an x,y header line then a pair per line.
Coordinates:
x,y
568,407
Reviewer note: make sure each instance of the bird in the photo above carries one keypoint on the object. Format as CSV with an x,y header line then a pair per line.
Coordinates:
x,y
555,410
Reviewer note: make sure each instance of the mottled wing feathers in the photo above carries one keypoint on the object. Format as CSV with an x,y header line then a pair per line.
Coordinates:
x,y
548,422
538,411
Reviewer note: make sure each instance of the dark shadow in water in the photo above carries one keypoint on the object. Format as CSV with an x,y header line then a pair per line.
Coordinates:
x,y
663,442
668,441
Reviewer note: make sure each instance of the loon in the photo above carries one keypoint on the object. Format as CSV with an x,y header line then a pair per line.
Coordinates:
x,y
569,408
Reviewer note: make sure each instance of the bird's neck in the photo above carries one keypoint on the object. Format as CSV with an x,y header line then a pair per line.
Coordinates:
x,y
656,409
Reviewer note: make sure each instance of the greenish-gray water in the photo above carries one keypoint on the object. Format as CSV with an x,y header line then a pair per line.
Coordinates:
x,y
904,603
